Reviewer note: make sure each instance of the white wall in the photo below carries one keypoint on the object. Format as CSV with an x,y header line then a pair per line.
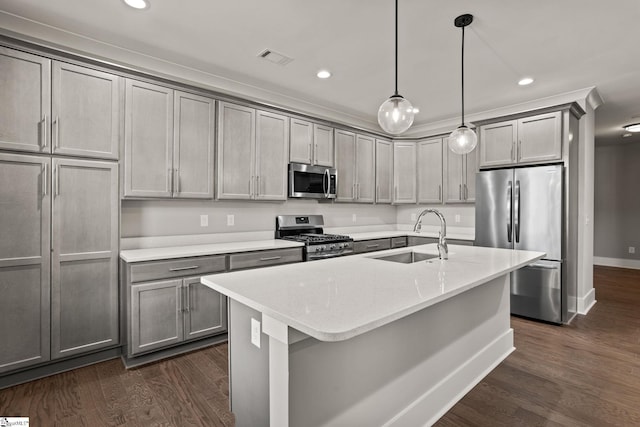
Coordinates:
x,y
466,213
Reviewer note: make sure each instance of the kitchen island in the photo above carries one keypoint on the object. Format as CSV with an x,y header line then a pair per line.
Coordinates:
x,y
361,340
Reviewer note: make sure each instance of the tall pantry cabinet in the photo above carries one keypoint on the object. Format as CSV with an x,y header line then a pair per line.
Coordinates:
x,y
60,127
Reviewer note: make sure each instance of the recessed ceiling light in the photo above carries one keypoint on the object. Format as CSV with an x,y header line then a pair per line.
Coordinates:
x,y
138,4
626,135
525,81
324,74
632,128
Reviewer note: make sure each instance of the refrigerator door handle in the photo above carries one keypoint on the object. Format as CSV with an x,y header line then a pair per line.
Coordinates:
x,y
516,209
509,213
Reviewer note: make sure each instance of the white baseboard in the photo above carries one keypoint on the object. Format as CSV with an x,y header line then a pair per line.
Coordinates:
x,y
586,302
451,389
617,262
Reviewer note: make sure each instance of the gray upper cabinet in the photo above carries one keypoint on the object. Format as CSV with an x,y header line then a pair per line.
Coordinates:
x,y
346,165
535,139
384,171
169,140
252,153
311,143
25,102
404,172
84,272
148,142
429,171
323,145
272,146
365,169
460,171
193,145
86,110
25,254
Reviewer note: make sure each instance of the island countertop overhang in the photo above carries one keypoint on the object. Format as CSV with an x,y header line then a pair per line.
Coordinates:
x,y
340,298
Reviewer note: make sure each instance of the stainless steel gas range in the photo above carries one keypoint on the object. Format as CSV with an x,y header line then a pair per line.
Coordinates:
x,y
307,229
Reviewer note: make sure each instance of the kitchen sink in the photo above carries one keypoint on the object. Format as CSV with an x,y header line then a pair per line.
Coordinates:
x,y
407,257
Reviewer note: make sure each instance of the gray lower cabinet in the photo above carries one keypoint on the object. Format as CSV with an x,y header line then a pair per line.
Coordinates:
x,y
165,308
266,258
371,245
58,258
417,240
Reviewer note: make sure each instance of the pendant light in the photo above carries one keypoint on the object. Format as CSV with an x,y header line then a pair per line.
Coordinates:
x,y
396,113
463,140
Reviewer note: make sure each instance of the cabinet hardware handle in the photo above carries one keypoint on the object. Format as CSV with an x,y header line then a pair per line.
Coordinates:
x,y
372,246
466,192
44,180
251,186
180,302
460,191
358,191
177,180
440,192
56,176
258,185
170,180
315,153
377,193
511,155
519,150
187,294
191,267
44,131
56,123
311,160
270,258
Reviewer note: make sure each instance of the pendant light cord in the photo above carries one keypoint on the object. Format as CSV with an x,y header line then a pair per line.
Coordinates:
x,y
396,92
462,77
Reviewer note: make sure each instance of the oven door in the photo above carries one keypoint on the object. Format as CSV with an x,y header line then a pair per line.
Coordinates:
x,y
313,182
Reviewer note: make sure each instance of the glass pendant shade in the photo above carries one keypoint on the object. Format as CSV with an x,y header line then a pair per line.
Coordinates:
x,y
395,115
463,140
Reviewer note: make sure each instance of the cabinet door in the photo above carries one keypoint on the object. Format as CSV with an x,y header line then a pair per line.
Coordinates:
x,y
540,138
497,143
430,171
272,146
454,184
148,140
86,111
194,122
404,172
323,145
471,169
346,165
25,101
384,171
236,156
301,132
205,310
84,260
24,260
156,315
365,169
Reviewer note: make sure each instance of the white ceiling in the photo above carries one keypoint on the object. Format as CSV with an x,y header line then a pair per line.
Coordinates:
x,y
565,45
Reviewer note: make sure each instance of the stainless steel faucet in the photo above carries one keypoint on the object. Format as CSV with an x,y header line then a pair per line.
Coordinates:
x,y
443,249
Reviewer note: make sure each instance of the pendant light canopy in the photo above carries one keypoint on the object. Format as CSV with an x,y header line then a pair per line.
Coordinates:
x,y
396,113
463,140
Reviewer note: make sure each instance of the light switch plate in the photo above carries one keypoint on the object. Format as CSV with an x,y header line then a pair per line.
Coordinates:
x,y
231,220
414,216
632,249
354,217
457,218
255,332
204,220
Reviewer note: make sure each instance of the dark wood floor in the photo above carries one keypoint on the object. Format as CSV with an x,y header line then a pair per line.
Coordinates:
x,y
584,374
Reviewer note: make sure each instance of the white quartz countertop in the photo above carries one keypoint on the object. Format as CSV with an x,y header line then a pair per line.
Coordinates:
x,y
151,254
398,233
339,298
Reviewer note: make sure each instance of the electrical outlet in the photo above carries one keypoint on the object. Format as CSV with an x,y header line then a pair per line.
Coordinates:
x,y
414,216
204,220
632,249
231,220
255,332
353,217
457,218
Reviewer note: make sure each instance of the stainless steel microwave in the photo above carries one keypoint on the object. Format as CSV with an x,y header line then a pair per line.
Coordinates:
x,y
312,182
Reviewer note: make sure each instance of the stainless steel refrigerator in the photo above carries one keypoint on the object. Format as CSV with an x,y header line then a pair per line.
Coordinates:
x,y
522,208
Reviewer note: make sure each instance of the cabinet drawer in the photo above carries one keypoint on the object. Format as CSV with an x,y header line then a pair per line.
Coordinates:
x,y
398,242
460,242
415,240
371,245
166,269
264,258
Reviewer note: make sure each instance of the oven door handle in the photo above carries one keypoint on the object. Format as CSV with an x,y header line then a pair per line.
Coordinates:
x,y
326,178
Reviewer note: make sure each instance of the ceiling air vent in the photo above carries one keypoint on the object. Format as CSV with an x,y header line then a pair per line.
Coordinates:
x,y
275,57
